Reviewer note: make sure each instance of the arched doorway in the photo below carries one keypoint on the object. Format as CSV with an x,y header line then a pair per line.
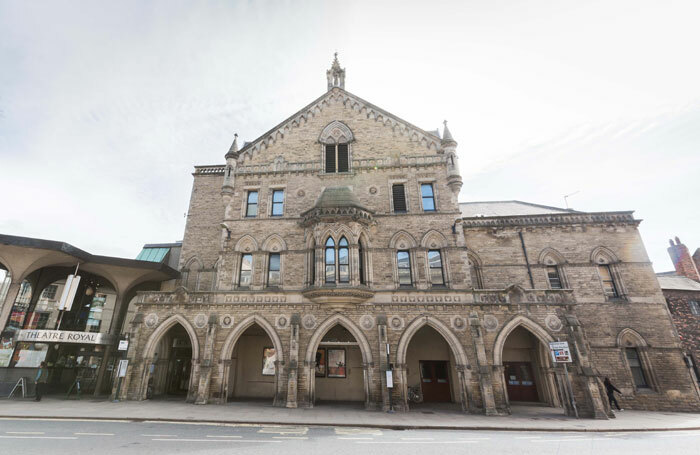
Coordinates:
x,y
171,368
528,374
340,361
430,367
253,369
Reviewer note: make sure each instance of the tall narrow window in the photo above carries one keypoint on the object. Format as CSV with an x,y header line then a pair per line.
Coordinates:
x,y
475,274
609,286
277,202
399,196
403,260
337,159
246,273
251,209
330,260
361,258
640,379
343,261
312,271
694,307
554,277
435,265
428,197
273,270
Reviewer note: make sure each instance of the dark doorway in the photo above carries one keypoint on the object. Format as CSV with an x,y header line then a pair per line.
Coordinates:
x,y
435,380
520,381
179,368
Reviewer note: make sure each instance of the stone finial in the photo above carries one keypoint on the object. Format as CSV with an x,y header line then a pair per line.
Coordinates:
x,y
446,135
336,75
233,151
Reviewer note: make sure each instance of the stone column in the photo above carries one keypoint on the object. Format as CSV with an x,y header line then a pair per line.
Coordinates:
x,y
10,298
293,367
354,265
206,362
483,370
383,339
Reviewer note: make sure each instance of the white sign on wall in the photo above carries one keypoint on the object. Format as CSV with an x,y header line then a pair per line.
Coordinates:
x,y
123,345
560,351
64,336
121,370
389,379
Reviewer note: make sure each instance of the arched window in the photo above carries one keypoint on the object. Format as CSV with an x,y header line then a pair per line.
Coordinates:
x,y
475,273
330,260
343,261
361,258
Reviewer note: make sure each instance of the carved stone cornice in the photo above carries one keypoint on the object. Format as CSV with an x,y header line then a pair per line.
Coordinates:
x,y
556,219
333,214
336,297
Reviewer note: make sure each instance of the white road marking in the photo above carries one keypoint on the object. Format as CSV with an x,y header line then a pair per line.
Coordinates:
x,y
417,442
160,435
216,440
350,438
94,434
290,437
24,432
467,438
38,437
284,430
528,437
678,435
222,436
559,440
417,439
354,431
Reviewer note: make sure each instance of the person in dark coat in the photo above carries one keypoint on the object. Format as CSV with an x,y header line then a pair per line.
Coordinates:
x,y
42,377
610,389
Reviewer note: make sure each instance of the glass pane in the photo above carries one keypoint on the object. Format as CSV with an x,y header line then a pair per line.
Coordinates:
x,y
403,259
633,357
330,158
245,278
343,242
639,379
247,262
441,371
252,197
273,278
405,276
277,209
428,204
275,262
343,158
342,256
426,190
330,256
343,273
330,242
252,210
604,271
278,196
436,276
330,274
434,258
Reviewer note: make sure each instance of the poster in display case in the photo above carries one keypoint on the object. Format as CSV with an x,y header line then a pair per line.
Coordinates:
x,y
336,363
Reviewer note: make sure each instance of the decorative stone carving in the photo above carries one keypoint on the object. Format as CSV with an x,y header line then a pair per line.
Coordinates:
x,y
226,321
301,192
458,323
151,320
396,322
309,321
490,323
282,321
553,323
373,190
367,322
200,320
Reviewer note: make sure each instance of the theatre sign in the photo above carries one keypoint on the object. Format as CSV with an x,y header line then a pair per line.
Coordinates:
x,y
64,336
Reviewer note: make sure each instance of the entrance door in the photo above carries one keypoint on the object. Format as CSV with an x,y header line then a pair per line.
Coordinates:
x,y
520,382
179,371
435,380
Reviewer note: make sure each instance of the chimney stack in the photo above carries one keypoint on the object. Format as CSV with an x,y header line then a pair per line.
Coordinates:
x,y
684,264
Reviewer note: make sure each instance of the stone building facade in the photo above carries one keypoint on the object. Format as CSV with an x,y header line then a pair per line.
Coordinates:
x,y
333,249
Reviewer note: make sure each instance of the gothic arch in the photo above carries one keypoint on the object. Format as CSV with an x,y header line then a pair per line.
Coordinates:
x,y
441,328
336,232
336,132
8,266
550,256
630,338
603,255
232,338
364,239
520,320
272,241
193,263
246,244
433,240
163,329
398,237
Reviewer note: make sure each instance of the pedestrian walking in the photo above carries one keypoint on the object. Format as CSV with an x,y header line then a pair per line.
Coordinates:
x,y
610,389
42,377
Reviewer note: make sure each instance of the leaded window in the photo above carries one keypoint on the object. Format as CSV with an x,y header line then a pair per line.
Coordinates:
x,y
277,203
330,260
435,264
635,364
245,276
554,277
403,260
337,159
428,197
609,285
273,270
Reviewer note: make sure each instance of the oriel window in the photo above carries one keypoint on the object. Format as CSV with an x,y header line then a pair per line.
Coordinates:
x,y
246,273
428,197
398,195
251,209
554,277
609,286
337,159
277,202
435,264
273,270
403,260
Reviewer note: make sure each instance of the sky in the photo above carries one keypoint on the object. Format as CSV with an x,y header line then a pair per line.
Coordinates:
x,y
105,107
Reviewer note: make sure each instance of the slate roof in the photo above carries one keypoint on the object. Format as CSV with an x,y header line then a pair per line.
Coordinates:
x,y
507,208
338,196
673,282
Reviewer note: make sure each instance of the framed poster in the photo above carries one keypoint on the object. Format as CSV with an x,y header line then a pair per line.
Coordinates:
x,y
269,358
321,363
336,363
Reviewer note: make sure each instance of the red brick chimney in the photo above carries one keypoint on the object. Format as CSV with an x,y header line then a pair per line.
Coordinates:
x,y
696,259
684,264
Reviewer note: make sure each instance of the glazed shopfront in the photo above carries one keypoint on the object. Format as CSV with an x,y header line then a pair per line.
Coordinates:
x,y
68,313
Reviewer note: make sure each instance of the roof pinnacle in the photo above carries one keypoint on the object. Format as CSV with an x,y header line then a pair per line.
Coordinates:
x,y
446,135
336,75
233,151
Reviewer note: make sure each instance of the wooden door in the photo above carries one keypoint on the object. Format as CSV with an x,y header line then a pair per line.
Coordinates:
x,y
520,382
435,380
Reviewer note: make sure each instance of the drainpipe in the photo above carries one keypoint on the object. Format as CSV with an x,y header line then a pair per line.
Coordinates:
x,y
527,263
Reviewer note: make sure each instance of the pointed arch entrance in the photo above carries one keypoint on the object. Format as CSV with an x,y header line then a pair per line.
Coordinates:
x,y
252,363
521,351
431,359
339,362
171,356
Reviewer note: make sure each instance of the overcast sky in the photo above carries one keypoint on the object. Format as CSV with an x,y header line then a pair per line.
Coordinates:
x,y
106,106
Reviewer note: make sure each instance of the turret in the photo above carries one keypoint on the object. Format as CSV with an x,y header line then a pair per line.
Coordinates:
x,y
336,75
229,171
449,148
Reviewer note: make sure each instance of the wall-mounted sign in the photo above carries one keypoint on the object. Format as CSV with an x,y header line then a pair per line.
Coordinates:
x,y
560,351
121,369
389,379
123,345
64,336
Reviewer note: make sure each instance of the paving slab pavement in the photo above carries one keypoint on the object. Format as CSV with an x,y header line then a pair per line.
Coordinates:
x,y
524,418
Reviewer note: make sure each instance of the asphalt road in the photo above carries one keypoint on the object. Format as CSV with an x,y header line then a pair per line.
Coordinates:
x,y
27,437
